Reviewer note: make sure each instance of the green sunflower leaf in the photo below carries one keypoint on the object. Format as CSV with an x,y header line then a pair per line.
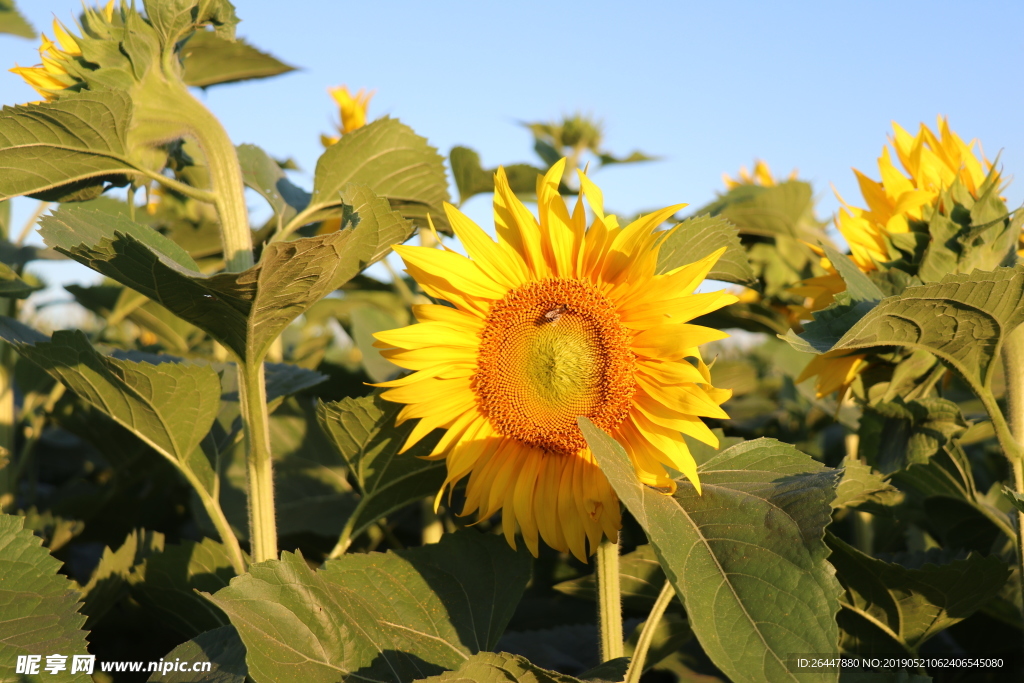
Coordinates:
x,y
746,557
612,671
170,406
862,485
263,174
165,584
695,238
829,325
1016,499
365,321
902,433
221,647
311,491
753,317
387,157
212,60
640,580
786,209
859,286
633,157
891,605
38,607
110,580
244,311
379,225
500,667
963,319
399,616
173,19
12,22
970,233
472,179
74,143
671,632
363,430
12,286
56,531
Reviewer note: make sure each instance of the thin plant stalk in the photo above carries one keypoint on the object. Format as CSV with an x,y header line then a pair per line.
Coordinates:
x,y
643,644
609,600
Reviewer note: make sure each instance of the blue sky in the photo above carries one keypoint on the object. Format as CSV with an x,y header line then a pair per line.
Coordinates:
x,y
706,86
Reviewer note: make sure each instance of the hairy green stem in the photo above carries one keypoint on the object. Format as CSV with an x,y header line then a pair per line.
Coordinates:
x,y
165,109
345,539
227,185
1004,435
609,600
8,472
236,239
252,392
1013,365
643,644
1013,370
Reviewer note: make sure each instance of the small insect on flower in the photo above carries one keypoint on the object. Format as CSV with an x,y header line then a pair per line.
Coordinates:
x,y
554,314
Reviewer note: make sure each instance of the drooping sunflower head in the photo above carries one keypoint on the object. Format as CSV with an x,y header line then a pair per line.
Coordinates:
x,y
554,321
351,109
60,57
761,175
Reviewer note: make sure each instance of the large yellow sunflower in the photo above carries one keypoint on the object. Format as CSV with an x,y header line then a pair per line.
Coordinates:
x,y
932,163
552,322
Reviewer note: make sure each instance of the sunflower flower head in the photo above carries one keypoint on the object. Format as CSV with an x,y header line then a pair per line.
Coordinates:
x,y
352,111
555,320
931,164
761,175
59,57
900,200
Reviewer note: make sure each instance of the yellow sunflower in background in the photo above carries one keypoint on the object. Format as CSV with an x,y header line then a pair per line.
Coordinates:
x,y
554,321
932,163
351,109
762,175
50,77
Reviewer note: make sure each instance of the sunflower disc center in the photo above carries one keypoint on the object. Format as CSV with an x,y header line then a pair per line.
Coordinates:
x,y
551,351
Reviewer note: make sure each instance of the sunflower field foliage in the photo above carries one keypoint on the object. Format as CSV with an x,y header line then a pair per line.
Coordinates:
x,y
691,444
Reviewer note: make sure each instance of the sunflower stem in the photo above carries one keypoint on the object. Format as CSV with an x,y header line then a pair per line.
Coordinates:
x,y
643,644
236,240
1013,370
8,473
229,191
252,392
8,410
609,600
